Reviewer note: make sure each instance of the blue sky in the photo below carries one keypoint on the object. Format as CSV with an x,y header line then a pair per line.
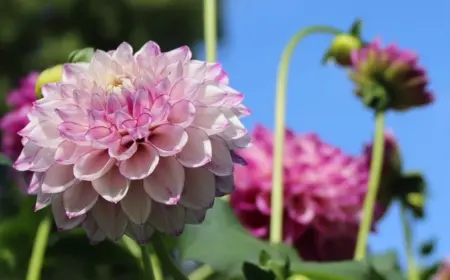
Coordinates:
x,y
320,98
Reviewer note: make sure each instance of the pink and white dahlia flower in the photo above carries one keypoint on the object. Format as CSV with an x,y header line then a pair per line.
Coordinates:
x,y
324,191
132,143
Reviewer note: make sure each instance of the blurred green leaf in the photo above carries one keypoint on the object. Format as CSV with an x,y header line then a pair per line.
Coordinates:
x,y
356,28
83,55
221,232
4,160
386,265
253,272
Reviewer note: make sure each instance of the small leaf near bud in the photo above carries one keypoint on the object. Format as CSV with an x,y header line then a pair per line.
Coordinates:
x,y
49,75
81,55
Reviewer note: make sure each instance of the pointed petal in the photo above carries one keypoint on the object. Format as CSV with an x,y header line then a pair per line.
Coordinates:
x,y
79,199
224,185
141,164
199,189
221,162
123,150
136,204
110,218
165,184
94,233
58,178
195,216
59,213
210,119
69,152
197,151
185,88
182,113
140,233
93,165
168,219
43,200
35,183
168,139
112,186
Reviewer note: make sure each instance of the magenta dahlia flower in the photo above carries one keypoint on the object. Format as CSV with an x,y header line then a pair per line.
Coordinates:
x,y
20,100
388,77
324,190
132,143
443,272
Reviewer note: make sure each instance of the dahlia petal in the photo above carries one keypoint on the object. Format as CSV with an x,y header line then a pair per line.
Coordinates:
x,y
240,143
141,102
72,131
59,214
198,149
69,152
168,219
124,53
51,91
195,216
160,109
136,204
236,129
121,151
140,233
58,178
141,164
43,159
72,72
168,139
110,218
112,186
185,88
93,165
149,49
237,158
199,190
45,134
182,113
71,113
210,94
43,200
102,136
79,199
210,119
35,183
165,184
26,157
93,231
113,103
224,185
179,54
221,162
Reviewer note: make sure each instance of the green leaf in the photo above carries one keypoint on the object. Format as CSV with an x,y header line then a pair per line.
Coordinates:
x,y
356,28
222,243
254,272
427,248
4,160
344,270
386,265
82,55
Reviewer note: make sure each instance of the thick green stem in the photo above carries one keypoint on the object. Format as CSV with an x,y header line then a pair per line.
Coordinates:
x,y
164,257
156,265
40,244
201,273
146,264
210,29
413,271
372,191
276,225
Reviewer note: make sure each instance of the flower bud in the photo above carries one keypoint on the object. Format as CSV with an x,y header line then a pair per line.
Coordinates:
x,y
342,47
49,75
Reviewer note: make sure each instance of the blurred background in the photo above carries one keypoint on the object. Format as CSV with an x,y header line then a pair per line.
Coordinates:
x,y
35,34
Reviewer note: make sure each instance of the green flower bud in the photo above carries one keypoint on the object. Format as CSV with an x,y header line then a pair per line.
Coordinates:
x,y
341,49
49,75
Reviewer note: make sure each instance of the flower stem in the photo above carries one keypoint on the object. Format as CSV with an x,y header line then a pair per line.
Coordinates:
x,y
165,259
40,244
276,225
413,271
146,264
374,182
201,273
210,29
156,265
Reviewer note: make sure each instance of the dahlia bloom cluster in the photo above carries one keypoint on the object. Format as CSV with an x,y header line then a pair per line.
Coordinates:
x,y
397,72
21,101
324,190
132,143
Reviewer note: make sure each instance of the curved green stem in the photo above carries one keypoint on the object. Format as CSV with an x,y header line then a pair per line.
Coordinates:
x,y
210,29
146,264
374,182
201,273
276,225
40,244
166,261
156,265
413,271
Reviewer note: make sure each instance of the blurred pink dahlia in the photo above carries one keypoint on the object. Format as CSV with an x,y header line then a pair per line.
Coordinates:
x,y
21,101
324,191
388,77
443,272
127,144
